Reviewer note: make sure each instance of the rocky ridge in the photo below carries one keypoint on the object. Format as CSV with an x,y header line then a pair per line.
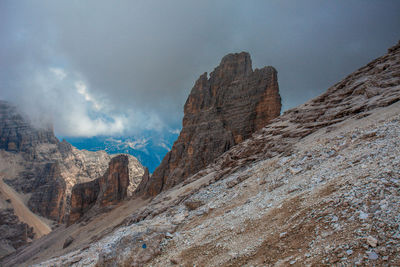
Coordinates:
x,y
220,112
319,185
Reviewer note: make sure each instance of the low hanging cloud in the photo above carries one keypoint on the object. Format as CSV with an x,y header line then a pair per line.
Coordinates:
x,y
101,67
64,100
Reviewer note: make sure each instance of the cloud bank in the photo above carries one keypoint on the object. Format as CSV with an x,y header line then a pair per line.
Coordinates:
x,y
118,67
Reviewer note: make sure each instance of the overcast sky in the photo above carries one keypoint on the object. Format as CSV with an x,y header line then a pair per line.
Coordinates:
x,y
118,67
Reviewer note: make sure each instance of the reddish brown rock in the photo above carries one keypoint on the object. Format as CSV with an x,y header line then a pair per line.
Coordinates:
x,y
221,111
83,197
114,184
107,190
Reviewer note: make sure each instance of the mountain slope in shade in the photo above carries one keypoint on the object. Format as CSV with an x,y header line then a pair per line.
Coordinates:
x,y
319,185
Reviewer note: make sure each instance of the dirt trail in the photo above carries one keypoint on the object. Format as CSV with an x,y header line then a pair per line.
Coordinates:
x,y
23,213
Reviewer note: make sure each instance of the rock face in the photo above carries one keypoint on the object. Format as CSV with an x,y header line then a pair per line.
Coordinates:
x,y
46,168
221,111
17,135
114,184
83,197
49,196
13,233
107,190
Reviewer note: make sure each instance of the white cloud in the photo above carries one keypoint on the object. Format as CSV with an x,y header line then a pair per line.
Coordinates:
x,y
81,88
59,73
163,145
64,98
175,131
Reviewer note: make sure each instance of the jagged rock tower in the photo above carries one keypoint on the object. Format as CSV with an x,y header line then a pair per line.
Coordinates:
x,y
221,111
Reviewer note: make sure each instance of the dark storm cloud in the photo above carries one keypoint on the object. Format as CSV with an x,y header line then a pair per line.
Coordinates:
x,y
133,63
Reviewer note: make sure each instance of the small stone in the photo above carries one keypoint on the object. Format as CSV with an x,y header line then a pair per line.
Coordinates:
x,y
385,258
372,241
282,235
68,241
174,261
363,215
193,204
293,262
169,235
397,235
349,251
372,255
295,170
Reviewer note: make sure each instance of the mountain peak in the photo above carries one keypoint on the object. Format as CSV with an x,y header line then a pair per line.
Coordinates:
x,y
233,65
220,112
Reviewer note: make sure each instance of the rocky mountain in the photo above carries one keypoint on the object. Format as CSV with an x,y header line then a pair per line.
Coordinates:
x,y
220,112
44,170
319,185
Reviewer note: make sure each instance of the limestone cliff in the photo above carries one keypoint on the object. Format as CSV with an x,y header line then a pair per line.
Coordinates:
x,y
110,189
220,112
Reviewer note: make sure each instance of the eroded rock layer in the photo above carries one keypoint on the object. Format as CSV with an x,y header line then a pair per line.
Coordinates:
x,y
221,111
107,190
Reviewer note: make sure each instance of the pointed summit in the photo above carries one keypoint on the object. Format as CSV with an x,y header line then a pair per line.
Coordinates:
x,y
220,112
233,66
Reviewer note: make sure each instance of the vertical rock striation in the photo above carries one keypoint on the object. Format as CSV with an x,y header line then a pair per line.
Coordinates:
x,y
49,194
221,111
110,189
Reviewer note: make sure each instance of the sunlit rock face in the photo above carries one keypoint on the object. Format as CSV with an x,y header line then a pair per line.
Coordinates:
x,y
220,112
